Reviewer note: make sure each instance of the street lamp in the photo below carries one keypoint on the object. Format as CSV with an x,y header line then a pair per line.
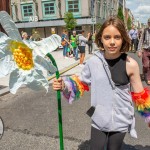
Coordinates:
x,y
104,4
99,8
112,11
93,18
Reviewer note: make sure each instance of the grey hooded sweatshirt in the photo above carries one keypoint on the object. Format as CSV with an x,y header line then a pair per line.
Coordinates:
x,y
114,110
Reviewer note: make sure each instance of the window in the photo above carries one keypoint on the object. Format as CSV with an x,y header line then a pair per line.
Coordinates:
x,y
27,10
73,6
49,8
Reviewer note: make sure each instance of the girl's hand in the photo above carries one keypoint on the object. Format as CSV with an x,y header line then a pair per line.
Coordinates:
x,y
58,84
139,54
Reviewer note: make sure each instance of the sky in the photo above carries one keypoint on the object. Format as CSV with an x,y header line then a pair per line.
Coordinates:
x,y
140,9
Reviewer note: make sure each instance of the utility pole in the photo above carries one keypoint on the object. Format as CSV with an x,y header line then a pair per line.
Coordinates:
x,y
93,19
104,6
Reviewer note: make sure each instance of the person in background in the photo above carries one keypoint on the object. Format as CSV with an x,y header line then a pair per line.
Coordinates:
x,y
82,45
35,36
73,41
65,39
109,72
133,33
93,38
144,51
90,43
25,38
139,33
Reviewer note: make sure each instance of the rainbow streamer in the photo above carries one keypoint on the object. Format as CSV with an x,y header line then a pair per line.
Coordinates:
x,y
142,103
75,88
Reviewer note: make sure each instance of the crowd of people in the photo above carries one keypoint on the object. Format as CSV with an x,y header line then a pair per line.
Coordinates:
x,y
140,40
72,46
76,44
34,37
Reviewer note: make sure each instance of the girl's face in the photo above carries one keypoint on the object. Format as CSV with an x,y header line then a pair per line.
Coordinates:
x,y
112,41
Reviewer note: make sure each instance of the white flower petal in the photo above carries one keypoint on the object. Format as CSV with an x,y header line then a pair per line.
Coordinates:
x,y
41,63
3,37
9,26
37,81
16,81
46,45
33,79
4,40
7,65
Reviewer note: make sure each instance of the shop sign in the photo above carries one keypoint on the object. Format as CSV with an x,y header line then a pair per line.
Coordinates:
x,y
33,18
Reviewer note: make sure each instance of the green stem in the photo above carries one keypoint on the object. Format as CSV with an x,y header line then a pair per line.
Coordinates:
x,y
59,104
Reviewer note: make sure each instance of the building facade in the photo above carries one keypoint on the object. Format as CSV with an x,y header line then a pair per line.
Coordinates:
x,y
47,15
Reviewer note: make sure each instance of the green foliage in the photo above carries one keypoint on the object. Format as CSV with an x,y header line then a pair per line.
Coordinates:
x,y
98,26
129,23
120,14
70,21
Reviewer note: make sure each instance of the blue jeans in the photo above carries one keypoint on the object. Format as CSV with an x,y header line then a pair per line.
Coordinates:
x,y
75,52
65,50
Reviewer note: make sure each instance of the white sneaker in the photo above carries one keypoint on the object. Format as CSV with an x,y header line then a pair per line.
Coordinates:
x,y
81,65
66,57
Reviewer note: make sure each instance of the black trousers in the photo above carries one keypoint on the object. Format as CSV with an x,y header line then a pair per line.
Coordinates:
x,y
135,43
90,47
100,140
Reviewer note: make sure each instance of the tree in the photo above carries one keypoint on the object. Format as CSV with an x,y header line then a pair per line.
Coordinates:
x,y
70,21
98,26
129,23
120,14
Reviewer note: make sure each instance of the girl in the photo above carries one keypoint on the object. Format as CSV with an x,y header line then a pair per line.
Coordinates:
x,y
109,73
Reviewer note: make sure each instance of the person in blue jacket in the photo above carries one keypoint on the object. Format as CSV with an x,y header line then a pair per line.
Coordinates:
x,y
110,72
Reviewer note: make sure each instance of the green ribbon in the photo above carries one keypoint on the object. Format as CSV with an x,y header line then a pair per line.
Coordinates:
x,y
59,103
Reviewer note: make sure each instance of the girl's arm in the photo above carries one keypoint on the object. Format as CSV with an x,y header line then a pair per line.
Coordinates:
x,y
73,87
140,95
134,75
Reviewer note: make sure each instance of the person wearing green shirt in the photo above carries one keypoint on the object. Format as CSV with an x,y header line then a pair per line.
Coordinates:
x,y
73,39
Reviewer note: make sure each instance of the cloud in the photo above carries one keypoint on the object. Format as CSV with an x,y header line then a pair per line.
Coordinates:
x,y
143,9
140,9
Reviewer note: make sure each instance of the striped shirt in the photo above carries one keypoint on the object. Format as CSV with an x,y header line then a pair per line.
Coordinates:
x,y
144,43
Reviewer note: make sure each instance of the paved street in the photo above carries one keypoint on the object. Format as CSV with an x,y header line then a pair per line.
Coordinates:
x,y
30,120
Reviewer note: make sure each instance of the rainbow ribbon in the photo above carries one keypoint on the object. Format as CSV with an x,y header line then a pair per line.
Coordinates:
x,y
142,103
75,87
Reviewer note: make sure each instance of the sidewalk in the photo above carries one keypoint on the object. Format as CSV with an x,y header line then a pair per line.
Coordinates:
x,y
62,64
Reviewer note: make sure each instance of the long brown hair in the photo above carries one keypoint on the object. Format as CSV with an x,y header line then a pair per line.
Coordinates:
x,y
117,23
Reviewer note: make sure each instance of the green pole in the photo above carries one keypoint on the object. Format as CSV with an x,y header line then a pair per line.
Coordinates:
x,y
59,104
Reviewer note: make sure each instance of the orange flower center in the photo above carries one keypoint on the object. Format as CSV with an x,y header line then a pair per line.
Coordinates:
x,y
23,58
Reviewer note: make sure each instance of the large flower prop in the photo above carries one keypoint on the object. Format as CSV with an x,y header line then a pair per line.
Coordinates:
x,y
25,63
